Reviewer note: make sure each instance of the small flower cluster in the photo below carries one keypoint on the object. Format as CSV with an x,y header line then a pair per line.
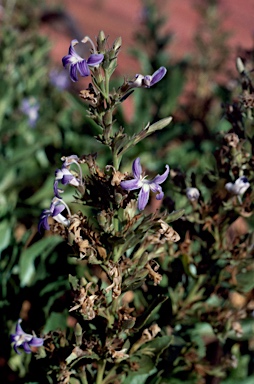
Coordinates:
x,y
64,176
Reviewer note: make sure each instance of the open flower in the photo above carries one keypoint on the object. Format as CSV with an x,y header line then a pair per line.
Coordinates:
x,y
78,64
24,340
148,81
239,187
139,182
56,207
30,107
65,176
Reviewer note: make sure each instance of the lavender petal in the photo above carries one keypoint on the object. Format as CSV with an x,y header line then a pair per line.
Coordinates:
x,y
36,342
136,168
83,68
143,197
26,347
73,72
95,59
161,178
158,75
130,185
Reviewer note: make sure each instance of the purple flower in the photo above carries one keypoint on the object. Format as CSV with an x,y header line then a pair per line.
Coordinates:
x,y
56,207
139,182
65,177
78,64
30,108
59,79
148,81
24,340
239,187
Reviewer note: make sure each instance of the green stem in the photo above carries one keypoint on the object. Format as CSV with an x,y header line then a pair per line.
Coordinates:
x,y
108,378
107,85
83,378
116,160
100,372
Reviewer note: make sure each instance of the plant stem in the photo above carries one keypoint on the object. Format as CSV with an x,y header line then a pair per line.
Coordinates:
x,y
100,372
106,85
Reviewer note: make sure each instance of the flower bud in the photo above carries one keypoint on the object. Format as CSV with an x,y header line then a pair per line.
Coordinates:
x,y
239,65
78,334
117,45
101,42
192,194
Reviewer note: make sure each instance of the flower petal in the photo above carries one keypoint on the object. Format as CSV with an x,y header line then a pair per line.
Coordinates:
x,y
16,349
36,342
143,197
68,59
43,222
83,68
56,189
73,72
136,168
58,209
158,75
130,185
95,59
26,347
19,330
147,81
157,189
161,178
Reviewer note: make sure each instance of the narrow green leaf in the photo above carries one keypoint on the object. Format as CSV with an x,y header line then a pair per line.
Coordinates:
x,y
43,248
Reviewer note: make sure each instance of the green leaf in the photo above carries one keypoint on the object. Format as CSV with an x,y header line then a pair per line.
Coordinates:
x,y
5,234
157,346
41,248
146,369
153,308
175,215
148,130
56,321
